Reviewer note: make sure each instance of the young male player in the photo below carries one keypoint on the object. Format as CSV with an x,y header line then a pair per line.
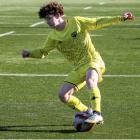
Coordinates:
x,y
71,37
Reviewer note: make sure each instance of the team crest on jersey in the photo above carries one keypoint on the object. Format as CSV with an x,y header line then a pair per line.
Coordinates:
x,y
74,34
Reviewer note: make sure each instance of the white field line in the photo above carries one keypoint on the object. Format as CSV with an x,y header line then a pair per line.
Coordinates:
x,y
123,75
95,35
10,16
1,23
62,75
29,34
8,33
86,8
38,23
101,3
31,75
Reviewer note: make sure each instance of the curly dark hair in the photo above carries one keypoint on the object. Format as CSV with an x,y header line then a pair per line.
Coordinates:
x,y
54,8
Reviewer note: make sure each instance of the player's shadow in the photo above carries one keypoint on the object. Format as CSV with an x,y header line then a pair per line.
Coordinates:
x,y
34,128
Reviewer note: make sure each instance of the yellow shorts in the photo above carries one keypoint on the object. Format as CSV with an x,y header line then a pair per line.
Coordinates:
x,y
78,75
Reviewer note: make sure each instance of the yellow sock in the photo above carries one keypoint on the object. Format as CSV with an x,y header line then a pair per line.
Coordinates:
x,y
75,103
96,99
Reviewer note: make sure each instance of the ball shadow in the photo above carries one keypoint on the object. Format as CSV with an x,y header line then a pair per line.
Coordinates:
x,y
33,128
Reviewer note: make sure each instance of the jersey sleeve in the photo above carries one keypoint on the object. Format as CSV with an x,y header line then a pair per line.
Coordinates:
x,y
97,23
43,52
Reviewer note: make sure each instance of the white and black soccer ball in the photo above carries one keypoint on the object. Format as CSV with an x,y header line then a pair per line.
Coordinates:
x,y
80,124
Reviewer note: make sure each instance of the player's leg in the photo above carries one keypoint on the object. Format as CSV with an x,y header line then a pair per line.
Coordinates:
x,y
66,96
92,78
92,84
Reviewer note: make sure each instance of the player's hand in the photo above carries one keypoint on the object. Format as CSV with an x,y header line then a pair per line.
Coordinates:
x,y
25,54
127,16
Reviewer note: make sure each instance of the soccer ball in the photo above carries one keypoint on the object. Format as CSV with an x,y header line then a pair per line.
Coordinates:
x,y
79,123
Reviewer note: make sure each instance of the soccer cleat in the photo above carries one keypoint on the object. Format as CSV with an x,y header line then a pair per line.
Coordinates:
x,y
95,118
89,112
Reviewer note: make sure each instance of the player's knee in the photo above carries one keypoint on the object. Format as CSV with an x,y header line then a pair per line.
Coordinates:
x,y
63,96
91,83
91,79
65,92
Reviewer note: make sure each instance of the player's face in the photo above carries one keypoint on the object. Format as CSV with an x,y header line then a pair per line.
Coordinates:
x,y
52,21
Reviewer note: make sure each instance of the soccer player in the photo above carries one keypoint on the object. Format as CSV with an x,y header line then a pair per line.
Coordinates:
x,y
70,36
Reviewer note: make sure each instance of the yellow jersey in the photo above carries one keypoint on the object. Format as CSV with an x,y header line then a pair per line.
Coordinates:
x,y
74,41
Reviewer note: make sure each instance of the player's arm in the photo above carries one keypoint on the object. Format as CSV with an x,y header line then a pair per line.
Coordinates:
x,y
40,53
101,22
108,21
